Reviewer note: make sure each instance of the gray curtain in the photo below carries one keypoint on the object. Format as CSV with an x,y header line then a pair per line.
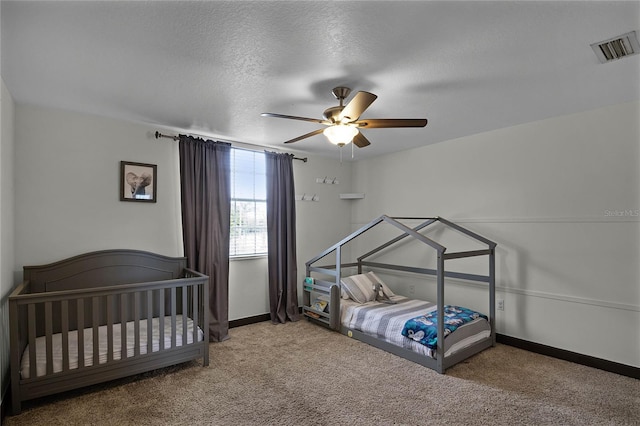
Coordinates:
x,y
205,170
281,232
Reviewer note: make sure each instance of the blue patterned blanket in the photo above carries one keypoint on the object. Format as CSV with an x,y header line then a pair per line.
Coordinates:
x,y
424,329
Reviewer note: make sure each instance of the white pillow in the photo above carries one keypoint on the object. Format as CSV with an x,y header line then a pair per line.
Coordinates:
x,y
361,288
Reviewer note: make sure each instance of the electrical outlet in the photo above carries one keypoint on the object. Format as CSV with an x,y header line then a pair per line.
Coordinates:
x,y
500,304
412,290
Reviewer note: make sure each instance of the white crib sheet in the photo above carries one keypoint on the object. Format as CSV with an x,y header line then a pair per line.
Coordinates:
x,y
41,354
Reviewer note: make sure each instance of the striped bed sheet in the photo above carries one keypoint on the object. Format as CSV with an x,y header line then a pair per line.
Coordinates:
x,y
386,321
41,354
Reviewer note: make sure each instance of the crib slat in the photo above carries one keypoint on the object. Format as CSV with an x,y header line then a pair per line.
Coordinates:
x,y
80,322
48,325
123,326
136,323
184,315
173,317
64,324
149,321
194,311
31,320
109,328
95,323
161,320
202,305
194,314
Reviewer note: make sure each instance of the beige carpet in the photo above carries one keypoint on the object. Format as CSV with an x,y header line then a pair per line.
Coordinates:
x,y
301,374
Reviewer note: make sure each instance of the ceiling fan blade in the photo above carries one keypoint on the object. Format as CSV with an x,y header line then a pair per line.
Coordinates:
x,y
308,135
360,141
293,117
391,122
354,109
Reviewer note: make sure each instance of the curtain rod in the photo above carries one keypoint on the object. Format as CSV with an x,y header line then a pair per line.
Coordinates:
x,y
176,138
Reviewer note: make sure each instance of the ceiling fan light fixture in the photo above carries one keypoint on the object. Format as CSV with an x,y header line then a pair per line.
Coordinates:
x,y
340,134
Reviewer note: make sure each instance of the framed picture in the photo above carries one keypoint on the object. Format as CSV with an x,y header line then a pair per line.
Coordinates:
x,y
138,182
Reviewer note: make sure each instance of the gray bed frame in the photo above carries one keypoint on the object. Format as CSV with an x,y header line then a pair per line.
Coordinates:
x,y
104,288
332,288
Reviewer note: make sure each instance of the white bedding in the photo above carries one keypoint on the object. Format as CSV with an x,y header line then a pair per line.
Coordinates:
x,y
41,354
386,321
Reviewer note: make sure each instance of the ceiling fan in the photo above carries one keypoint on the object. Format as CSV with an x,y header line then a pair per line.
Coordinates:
x,y
344,123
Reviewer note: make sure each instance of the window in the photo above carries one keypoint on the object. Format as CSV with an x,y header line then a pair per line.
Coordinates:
x,y
248,204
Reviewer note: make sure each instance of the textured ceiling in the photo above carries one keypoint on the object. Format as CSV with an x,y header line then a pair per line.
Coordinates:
x,y
211,68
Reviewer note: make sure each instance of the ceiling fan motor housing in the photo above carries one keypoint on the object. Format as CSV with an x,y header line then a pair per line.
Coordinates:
x,y
332,113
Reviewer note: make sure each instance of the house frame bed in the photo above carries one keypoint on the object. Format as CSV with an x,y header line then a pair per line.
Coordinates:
x,y
142,310
331,289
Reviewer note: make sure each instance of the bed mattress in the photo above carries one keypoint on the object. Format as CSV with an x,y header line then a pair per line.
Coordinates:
x,y
41,354
386,321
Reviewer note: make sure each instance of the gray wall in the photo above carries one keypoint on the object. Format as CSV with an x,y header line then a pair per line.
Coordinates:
x,y
561,199
67,167
67,175
6,228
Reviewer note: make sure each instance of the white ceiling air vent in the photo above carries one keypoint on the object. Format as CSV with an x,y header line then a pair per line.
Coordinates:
x,y
617,47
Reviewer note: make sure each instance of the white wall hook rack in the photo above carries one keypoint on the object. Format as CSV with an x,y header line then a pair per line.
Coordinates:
x,y
307,197
328,180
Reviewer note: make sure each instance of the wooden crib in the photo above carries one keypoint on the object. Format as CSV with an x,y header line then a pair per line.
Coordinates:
x,y
140,311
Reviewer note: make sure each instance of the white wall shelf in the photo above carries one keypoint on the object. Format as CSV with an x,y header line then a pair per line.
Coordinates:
x,y
352,196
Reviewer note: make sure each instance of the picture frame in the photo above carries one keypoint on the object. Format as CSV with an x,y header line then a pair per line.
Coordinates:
x,y
138,182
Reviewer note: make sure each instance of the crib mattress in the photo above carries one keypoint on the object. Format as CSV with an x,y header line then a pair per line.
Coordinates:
x,y
386,321
41,354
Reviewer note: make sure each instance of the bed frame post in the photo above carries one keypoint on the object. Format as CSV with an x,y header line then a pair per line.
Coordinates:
x,y
338,264
334,293
440,314
492,295
334,296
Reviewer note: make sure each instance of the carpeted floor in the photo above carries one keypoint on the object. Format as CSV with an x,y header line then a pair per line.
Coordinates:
x,y
301,374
